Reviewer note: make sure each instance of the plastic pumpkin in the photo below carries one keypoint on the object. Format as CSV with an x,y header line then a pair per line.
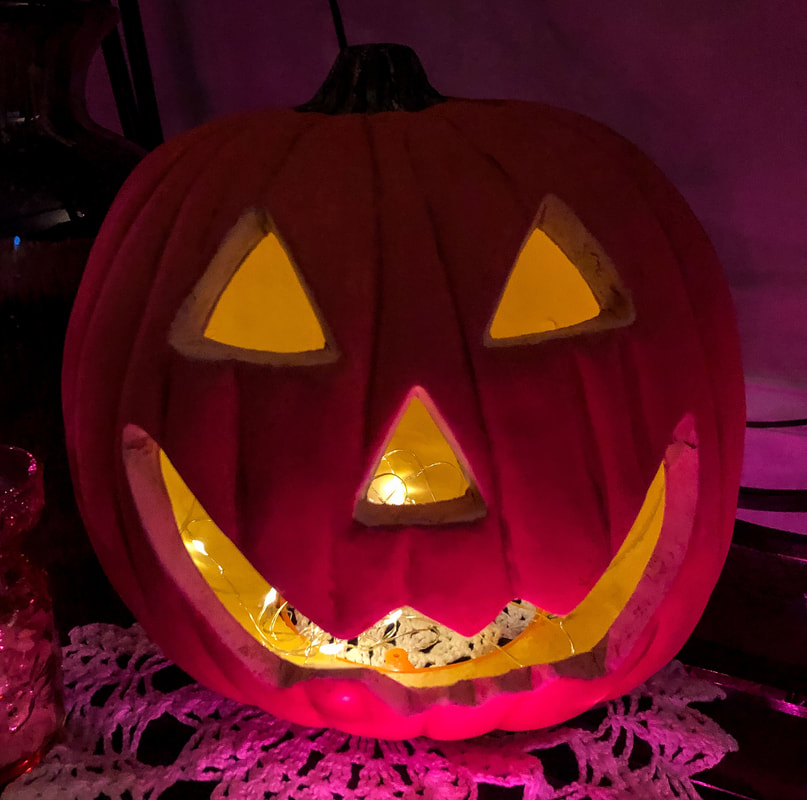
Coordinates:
x,y
407,415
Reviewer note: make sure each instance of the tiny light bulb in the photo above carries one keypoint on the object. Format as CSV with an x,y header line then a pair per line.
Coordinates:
x,y
387,489
330,648
269,600
393,616
199,546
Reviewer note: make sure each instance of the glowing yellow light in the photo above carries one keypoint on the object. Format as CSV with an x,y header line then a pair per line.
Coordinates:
x,y
269,601
544,292
418,465
247,595
265,306
387,489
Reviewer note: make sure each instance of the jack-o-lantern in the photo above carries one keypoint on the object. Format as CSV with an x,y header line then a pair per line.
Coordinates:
x,y
407,415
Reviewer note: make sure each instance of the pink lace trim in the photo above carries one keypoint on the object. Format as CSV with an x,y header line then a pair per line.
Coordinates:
x,y
128,706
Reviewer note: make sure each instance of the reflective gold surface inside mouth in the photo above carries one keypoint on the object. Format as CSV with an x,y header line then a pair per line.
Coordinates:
x,y
405,645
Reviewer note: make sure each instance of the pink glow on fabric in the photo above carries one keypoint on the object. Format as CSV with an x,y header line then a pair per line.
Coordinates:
x,y
247,747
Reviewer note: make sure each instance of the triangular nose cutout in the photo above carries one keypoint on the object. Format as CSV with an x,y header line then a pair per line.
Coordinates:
x,y
420,479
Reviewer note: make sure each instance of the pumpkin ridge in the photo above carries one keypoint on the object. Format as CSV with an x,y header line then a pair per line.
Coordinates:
x,y
641,410
236,375
649,177
230,146
472,156
635,459
521,114
190,154
631,451
628,160
110,285
728,498
285,160
514,190
368,442
505,543
491,160
240,490
296,210
506,180
374,127
639,427
135,340
596,474
181,208
105,240
634,164
510,117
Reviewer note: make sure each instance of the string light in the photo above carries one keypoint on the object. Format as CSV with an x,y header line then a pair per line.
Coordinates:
x,y
407,482
284,630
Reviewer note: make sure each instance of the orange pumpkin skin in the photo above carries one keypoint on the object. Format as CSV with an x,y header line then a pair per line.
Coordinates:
x,y
405,226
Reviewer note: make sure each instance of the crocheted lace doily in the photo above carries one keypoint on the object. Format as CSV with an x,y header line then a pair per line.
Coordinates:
x,y
139,729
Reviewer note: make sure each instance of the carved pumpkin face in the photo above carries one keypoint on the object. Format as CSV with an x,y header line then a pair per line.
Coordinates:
x,y
407,423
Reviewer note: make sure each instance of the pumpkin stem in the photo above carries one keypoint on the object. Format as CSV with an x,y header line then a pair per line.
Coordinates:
x,y
337,24
370,78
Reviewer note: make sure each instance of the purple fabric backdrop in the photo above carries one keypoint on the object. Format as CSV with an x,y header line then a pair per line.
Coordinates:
x,y
715,92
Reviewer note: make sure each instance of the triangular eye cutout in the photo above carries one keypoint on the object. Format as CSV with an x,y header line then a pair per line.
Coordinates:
x,y
252,304
562,284
545,292
420,478
265,306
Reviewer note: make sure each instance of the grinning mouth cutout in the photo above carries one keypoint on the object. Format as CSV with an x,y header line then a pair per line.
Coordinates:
x,y
406,646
